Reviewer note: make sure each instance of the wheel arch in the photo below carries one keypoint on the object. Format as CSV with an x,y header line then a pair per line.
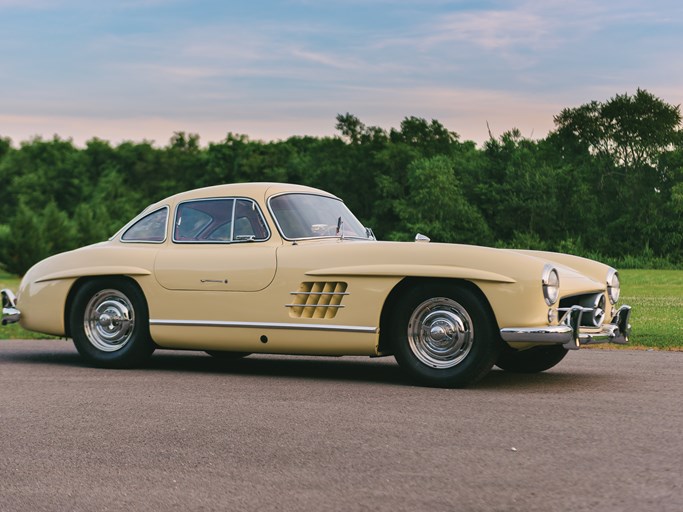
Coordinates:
x,y
82,281
404,286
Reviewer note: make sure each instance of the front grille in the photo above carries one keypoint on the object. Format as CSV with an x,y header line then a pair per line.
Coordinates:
x,y
317,299
593,305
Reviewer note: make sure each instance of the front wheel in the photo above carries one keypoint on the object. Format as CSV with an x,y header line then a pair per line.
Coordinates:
x,y
109,323
444,336
533,360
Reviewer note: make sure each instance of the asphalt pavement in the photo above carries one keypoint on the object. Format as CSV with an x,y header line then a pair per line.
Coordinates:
x,y
603,431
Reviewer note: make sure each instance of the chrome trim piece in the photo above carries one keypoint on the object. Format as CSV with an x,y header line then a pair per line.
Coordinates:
x,y
232,221
266,325
549,334
569,332
592,312
10,313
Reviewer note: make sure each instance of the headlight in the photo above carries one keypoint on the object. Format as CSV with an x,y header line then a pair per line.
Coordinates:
x,y
551,285
613,286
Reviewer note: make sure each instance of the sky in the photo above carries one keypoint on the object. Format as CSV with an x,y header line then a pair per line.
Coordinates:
x,y
142,70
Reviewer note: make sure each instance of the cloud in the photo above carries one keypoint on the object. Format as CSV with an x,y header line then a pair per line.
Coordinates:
x,y
271,73
492,30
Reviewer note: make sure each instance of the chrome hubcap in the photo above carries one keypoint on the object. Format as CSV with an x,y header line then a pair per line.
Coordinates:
x,y
440,333
109,320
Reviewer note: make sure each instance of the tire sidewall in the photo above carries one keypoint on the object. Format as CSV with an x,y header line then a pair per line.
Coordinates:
x,y
139,346
482,354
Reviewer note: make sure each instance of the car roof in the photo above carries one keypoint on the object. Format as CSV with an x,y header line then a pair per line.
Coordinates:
x,y
259,191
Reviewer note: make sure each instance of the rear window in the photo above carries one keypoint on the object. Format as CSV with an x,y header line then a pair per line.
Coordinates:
x,y
150,228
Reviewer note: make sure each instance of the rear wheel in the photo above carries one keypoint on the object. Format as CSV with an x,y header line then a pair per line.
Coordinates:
x,y
444,336
532,360
110,323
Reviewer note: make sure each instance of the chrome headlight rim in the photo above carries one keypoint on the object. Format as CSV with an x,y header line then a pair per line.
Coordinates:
x,y
613,286
551,285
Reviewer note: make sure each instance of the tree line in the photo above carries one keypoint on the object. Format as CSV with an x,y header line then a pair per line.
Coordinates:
x,y
606,183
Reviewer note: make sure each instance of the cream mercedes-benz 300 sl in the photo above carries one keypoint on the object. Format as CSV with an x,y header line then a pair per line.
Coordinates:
x,y
286,269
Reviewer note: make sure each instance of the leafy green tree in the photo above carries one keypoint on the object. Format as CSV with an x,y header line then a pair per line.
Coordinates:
x,y
518,189
621,147
42,171
436,206
35,234
429,138
628,131
607,181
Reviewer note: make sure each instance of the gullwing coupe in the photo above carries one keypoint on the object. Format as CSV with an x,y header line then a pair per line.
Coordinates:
x,y
285,269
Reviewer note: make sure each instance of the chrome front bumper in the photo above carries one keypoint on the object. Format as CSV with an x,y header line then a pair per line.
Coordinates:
x,y
570,334
10,313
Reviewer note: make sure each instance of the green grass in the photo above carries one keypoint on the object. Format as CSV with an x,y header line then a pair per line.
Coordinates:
x,y
655,295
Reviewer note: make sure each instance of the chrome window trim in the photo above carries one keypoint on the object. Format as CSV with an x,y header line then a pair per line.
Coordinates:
x,y
234,200
138,218
266,325
282,234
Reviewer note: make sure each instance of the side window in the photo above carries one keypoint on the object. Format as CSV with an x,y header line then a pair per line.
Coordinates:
x,y
219,220
208,220
249,224
150,228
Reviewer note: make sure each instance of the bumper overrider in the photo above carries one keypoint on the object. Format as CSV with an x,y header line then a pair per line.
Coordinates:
x,y
571,334
10,313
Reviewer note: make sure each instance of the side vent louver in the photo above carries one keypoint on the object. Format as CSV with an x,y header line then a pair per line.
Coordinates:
x,y
317,300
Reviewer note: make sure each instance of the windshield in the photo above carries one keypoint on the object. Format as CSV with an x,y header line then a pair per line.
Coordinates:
x,y
309,216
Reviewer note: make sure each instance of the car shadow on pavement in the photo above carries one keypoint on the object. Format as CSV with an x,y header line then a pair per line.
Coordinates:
x,y
358,369
556,380
350,369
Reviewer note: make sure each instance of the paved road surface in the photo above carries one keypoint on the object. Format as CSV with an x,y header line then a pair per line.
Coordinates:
x,y
602,432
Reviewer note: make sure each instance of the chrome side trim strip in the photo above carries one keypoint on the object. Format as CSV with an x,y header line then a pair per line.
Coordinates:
x,y
267,325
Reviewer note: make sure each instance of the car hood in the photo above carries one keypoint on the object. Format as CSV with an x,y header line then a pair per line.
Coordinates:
x,y
348,257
